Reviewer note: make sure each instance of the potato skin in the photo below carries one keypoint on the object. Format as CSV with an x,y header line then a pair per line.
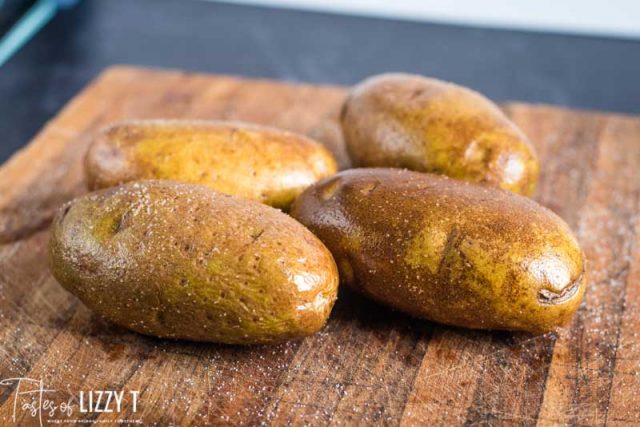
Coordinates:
x,y
445,250
266,165
329,133
182,261
427,125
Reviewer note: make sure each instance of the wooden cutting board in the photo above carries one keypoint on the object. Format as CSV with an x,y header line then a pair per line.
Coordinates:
x,y
370,365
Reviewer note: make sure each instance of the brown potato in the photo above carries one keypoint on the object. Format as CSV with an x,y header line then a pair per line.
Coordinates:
x,y
427,125
329,133
446,250
182,261
258,163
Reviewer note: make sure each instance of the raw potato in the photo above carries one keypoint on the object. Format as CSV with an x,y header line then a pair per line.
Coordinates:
x,y
179,260
427,125
446,250
258,163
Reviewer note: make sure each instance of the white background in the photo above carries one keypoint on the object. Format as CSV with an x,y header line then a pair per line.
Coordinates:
x,y
614,18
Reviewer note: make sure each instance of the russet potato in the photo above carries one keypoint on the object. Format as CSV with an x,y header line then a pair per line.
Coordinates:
x,y
266,165
182,261
427,125
446,250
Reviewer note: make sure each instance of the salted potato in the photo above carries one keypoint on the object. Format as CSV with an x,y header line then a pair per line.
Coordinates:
x,y
266,165
447,250
427,125
182,261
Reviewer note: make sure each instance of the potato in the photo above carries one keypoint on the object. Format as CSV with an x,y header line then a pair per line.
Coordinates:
x,y
182,261
329,133
426,125
258,163
445,250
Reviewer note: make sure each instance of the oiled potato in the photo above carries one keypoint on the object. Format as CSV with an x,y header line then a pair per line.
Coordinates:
x,y
180,260
426,125
329,133
266,165
446,250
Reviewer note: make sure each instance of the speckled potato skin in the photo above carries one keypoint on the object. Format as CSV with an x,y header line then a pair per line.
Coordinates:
x,y
445,250
427,125
182,261
266,165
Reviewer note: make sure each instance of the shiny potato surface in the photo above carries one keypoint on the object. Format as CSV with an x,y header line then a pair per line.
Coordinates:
x,y
445,250
266,165
182,261
427,125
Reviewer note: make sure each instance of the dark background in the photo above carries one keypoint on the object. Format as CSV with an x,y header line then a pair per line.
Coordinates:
x,y
581,72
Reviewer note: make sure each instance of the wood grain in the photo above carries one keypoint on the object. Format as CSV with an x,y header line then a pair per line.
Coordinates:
x,y
370,365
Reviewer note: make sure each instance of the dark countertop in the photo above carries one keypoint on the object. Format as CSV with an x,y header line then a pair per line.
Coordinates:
x,y
581,72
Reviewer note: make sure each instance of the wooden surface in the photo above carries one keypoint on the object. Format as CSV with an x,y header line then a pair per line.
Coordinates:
x,y
370,365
